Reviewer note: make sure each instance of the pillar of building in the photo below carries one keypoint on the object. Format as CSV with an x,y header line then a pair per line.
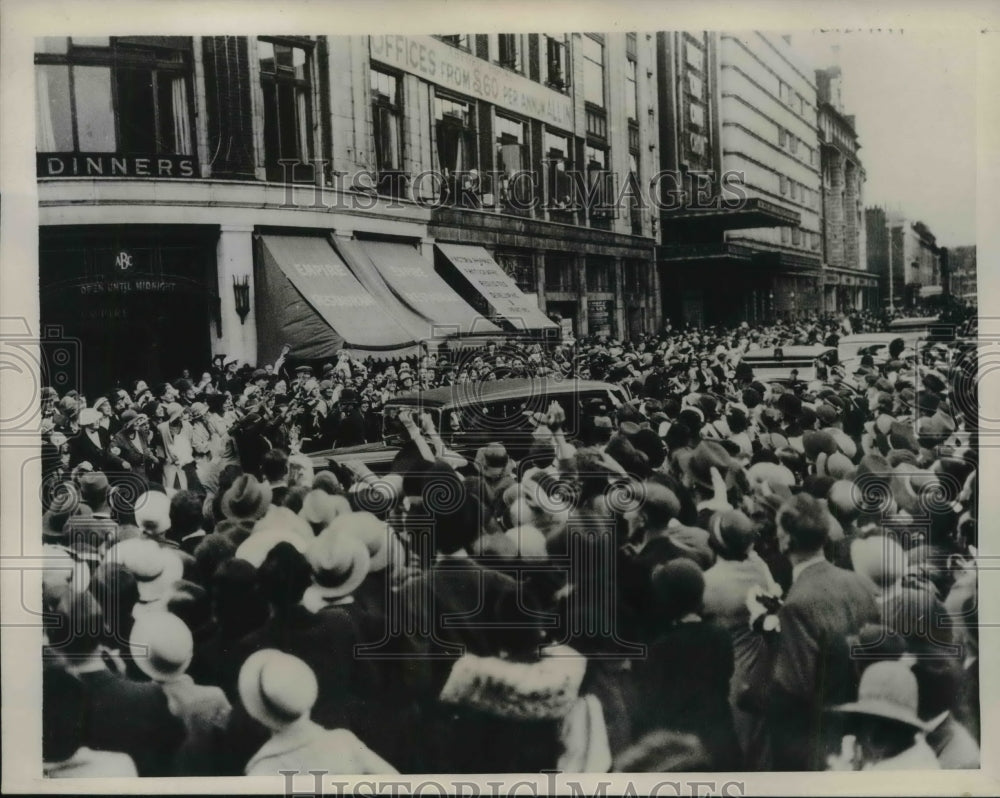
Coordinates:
x,y
538,258
852,228
834,206
581,279
234,260
622,331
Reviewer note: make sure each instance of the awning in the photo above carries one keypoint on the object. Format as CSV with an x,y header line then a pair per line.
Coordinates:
x,y
930,290
417,297
495,286
308,298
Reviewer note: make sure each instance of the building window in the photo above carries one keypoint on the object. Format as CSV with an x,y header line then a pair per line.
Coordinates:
x,y
387,127
693,55
783,184
285,80
461,40
600,184
558,183
802,105
793,189
635,203
796,236
697,114
631,91
454,123
782,137
560,273
600,275
506,50
512,158
521,269
695,86
793,143
556,60
593,70
128,95
786,235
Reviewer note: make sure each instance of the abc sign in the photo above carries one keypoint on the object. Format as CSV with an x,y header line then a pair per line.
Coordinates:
x,y
123,261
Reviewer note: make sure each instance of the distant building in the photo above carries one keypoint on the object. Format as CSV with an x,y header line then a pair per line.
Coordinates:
x,y
905,255
846,283
962,273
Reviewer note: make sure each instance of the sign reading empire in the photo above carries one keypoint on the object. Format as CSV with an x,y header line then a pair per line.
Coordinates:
x,y
455,69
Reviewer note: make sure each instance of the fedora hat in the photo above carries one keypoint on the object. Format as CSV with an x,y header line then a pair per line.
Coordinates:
x,y
698,462
322,507
246,499
887,690
198,410
161,646
382,544
155,568
255,548
88,417
340,564
65,504
152,512
174,411
276,688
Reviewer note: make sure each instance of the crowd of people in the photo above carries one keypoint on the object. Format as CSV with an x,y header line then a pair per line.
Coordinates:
x,y
720,574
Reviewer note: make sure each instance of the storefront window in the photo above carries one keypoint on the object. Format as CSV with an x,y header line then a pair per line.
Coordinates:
x,y
521,269
123,95
387,126
458,160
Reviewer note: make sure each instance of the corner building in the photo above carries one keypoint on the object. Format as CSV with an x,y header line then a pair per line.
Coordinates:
x,y
739,111
224,195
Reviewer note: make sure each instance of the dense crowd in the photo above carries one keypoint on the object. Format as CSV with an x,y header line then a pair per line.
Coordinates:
x,y
720,574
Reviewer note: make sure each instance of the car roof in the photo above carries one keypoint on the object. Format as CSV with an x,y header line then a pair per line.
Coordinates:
x,y
787,352
498,390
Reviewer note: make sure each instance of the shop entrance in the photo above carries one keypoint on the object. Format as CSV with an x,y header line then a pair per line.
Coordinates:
x,y
140,302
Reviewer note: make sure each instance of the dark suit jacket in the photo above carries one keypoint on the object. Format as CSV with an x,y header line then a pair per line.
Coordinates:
x,y
140,458
133,717
82,448
813,668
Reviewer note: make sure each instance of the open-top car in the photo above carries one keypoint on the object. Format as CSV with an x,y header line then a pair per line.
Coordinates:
x,y
786,364
472,414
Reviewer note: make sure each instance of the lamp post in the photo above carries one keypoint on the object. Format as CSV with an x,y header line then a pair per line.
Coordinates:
x,y
241,296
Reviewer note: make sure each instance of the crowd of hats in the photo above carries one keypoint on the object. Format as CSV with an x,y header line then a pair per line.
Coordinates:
x,y
259,585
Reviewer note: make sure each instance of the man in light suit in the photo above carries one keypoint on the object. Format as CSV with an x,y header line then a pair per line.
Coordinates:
x,y
812,668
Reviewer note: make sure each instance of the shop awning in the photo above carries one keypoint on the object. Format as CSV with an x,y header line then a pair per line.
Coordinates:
x,y
495,286
420,300
308,298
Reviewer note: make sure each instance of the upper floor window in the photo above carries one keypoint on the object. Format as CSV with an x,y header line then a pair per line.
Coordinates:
x,y
631,90
129,95
461,40
556,61
506,50
387,129
285,78
512,158
558,165
593,70
454,123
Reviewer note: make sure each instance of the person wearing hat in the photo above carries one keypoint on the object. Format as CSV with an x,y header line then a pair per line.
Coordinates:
x,y
885,730
737,571
351,428
824,605
242,505
340,563
64,754
684,678
162,647
279,690
134,443
179,468
108,420
92,444
123,715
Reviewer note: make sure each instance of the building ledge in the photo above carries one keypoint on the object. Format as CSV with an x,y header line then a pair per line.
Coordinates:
x,y
753,212
705,252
